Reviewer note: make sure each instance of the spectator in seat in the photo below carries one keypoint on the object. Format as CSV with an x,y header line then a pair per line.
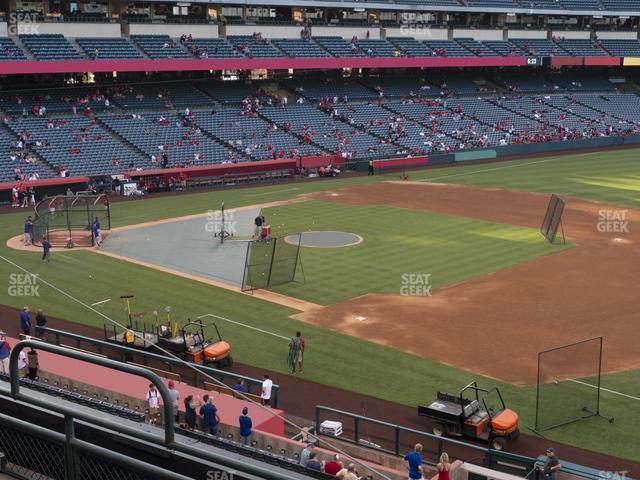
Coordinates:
x,y
305,455
314,463
348,473
240,387
333,466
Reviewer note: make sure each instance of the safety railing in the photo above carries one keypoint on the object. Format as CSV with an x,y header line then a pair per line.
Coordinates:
x,y
395,439
71,466
200,374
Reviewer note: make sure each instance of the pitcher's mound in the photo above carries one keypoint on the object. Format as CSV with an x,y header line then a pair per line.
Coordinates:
x,y
327,239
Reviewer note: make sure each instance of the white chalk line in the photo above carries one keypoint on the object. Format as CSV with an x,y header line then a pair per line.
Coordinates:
x,y
504,167
243,325
605,389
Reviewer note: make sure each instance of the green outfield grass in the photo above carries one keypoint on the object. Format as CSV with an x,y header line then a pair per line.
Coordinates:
x,y
398,241
608,177
332,358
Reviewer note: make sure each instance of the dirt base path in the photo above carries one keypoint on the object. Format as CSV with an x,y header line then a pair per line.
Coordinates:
x,y
496,324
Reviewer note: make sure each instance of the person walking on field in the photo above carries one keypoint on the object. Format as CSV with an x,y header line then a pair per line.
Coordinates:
x,y
46,250
444,467
28,226
296,353
371,170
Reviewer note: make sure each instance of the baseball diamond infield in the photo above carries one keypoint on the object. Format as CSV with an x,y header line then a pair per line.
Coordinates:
x,y
495,324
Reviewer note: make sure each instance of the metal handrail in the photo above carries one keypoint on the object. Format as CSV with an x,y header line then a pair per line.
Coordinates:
x,y
487,452
71,413
169,429
124,351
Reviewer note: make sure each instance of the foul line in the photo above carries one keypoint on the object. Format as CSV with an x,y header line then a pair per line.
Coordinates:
x,y
242,325
504,167
605,389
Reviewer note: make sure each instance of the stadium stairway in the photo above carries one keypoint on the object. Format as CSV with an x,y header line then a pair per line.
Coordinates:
x,y
131,146
76,47
20,44
295,133
207,133
136,47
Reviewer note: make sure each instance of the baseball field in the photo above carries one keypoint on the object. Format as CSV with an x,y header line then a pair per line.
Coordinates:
x,y
452,282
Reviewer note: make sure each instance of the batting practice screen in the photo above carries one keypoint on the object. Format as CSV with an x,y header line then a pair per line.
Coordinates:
x,y
568,387
271,262
552,218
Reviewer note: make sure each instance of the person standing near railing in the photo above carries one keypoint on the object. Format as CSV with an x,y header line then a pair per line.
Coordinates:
x,y
25,322
414,462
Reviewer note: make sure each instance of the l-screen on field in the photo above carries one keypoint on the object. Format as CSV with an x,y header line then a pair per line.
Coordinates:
x,y
403,288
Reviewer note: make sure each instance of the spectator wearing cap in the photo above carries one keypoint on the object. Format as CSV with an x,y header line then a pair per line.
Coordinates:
x,y
551,466
246,426
25,321
175,398
5,351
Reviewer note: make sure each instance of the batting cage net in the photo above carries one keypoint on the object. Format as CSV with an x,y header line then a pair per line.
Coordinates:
x,y
66,219
271,262
568,387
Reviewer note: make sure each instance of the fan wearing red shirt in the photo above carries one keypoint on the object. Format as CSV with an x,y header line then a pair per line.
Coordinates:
x,y
333,466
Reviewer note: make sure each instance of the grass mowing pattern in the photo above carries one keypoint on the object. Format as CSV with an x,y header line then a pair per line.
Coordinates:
x,y
398,241
608,177
332,358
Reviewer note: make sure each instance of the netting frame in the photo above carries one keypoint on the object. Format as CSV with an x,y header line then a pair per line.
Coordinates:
x,y
58,218
538,428
248,282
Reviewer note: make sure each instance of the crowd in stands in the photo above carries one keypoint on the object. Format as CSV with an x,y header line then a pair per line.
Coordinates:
x,y
90,131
